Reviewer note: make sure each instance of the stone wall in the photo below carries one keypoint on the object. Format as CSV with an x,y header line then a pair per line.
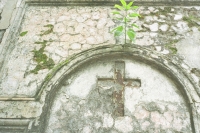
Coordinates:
x,y
42,43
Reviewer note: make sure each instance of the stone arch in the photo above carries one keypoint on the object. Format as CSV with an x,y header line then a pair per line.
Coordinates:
x,y
169,66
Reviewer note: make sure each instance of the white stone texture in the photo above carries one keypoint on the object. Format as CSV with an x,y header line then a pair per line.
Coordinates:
x,y
141,113
154,27
90,22
82,89
145,40
99,39
80,27
92,31
56,58
145,125
124,124
65,37
148,19
95,15
159,120
107,121
190,49
110,23
63,18
86,46
60,28
178,17
87,129
51,47
86,15
101,23
75,46
164,27
97,125
63,53
151,9
91,40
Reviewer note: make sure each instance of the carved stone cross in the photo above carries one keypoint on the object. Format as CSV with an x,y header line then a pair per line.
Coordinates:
x,y
118,84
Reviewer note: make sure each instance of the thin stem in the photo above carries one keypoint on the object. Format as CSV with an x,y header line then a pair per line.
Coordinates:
x,y
125,25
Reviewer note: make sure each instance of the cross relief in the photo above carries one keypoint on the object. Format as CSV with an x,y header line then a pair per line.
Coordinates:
x,y
118,84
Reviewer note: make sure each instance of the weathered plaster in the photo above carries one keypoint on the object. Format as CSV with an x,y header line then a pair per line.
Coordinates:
x,y
163,42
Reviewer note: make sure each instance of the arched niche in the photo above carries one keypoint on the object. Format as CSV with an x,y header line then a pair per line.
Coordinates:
x,y
120,89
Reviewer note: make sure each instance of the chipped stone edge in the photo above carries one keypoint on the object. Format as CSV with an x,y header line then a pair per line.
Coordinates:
x,y
10,35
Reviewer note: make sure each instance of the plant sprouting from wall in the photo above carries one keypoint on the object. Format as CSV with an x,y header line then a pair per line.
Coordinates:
x,y
124,15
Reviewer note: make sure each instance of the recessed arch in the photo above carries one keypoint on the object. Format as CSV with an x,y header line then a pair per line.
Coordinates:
x,y
169,66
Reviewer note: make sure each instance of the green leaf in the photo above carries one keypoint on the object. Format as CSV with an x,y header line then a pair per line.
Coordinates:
x,y
135,7
134,15
123,3
118,31
116,12
129,5
119,7
131,34
120,28
23,33
134,25
119,18
126,19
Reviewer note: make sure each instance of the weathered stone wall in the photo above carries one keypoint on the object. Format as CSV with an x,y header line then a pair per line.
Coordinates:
x,y
149,107
41,39
60,32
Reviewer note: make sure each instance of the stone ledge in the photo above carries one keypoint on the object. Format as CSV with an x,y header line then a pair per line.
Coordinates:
x,y
14,125
111,3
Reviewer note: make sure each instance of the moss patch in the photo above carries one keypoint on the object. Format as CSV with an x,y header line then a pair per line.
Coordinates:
x,y
43,62
48,31
55,69
192,21
171,46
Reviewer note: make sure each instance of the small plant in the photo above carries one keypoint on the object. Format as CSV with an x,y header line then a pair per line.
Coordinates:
x,y
23,33
124,16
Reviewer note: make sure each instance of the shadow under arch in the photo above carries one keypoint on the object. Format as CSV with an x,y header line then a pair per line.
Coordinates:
x,y
167,65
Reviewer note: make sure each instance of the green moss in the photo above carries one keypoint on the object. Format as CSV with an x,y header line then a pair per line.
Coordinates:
x,y
191,20
48,31
164,11
173,50
23,33
167,9
55,69
171,46
43,43
141,17
43,62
